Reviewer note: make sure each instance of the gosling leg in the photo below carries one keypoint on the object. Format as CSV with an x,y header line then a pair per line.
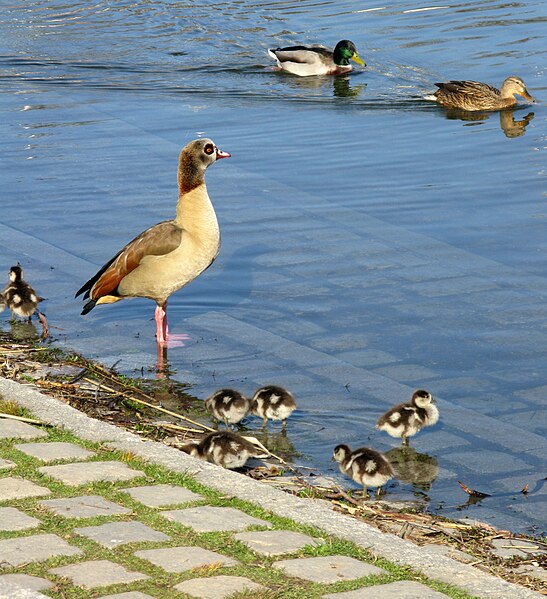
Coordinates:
x,y
265,422
405,440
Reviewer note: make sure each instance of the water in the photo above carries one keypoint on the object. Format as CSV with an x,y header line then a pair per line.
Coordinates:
x,y
372,243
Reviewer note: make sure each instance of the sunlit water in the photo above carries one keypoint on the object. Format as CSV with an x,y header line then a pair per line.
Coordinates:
x,y
372,242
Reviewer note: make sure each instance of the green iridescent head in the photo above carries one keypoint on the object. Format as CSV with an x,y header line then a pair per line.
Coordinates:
x,y
344,52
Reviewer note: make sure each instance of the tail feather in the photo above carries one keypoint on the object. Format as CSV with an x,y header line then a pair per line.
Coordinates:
x,y
89,306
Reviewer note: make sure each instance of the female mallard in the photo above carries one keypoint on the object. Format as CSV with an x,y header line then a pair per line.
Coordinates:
x,y
406,419
273,402
228,405
317,60
365,466
472,95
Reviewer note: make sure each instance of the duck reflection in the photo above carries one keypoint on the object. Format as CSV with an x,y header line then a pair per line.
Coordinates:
x,y
418,469
278,443
343,89
23,331
509,125
341,85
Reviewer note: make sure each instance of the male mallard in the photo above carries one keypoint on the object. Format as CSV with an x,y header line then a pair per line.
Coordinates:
x,y
273,402
228,405
316,60
365,466
21,298
472,95
225,449
406,419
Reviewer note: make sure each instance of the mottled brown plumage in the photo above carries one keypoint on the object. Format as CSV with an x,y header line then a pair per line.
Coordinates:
x,y
473,95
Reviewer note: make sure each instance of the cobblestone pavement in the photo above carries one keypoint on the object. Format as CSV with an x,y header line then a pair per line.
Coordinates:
x,y
106,514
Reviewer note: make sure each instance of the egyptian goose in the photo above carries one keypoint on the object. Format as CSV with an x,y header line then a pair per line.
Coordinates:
x,y
21,299
472,95
274,403
225,449
228,405
316,60
365,466
406,419
170,254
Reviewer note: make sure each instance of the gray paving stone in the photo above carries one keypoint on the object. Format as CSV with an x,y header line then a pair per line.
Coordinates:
x,y
452,552
113,534
402,589
48,452
98,573
162,495
217,587
89,472
127,595
86,506
33,583
13,429
327,569
6,464
533,570
13,519
516,548
37,548
18,488
181,559
207,518
276,542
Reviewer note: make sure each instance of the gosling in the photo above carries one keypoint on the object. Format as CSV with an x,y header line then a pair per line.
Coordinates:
x,y
406,419
21,299
228,405
273,403
365,466
225,449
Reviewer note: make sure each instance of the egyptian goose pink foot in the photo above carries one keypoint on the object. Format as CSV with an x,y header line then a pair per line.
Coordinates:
x,y
172,253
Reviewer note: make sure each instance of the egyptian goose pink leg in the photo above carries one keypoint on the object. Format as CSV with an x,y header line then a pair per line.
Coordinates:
x,y
162,330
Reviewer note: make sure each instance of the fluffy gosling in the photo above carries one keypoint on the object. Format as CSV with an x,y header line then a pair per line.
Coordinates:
x,y
228,405
21,299
225,449
365,466
406,419
273,403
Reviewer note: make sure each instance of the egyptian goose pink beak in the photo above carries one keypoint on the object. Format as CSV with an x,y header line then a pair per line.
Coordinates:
x,y
169,255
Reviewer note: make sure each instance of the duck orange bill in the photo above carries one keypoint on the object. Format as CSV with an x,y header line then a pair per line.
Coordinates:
x,y
221,154
526,95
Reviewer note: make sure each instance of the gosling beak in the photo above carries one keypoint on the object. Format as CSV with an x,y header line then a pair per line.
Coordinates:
x,y
358,59
332,459
526,95
221,154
